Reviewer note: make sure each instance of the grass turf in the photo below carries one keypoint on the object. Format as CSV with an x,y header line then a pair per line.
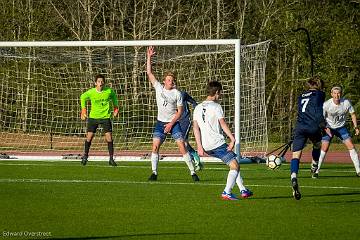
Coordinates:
x,y
64,200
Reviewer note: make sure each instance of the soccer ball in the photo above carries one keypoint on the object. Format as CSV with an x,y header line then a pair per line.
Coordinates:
x,y
273,162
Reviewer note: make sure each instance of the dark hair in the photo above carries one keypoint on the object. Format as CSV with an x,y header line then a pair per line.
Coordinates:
x,y
315,83
213,87
99,76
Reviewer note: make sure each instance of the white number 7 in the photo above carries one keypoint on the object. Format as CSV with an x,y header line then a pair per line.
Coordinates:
x,y
304,101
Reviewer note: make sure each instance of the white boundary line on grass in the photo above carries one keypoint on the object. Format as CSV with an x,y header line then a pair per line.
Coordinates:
x,y
105,158
223,167
9,180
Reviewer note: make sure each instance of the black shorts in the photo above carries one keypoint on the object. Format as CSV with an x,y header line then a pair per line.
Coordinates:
x,y
301,135
93,124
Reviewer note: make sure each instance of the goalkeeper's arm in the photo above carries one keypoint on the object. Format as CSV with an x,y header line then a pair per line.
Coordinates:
x,y
115,103
83,99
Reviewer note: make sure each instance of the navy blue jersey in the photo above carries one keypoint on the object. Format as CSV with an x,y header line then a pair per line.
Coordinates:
x,y
310,109
310,118
186,100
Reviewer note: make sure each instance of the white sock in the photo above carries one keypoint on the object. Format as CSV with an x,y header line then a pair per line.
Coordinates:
x,y
230,182
355,158
154,162
321,159
293,175
189,163
240,183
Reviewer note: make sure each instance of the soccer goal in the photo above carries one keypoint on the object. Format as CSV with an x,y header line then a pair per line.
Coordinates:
x,y
41,82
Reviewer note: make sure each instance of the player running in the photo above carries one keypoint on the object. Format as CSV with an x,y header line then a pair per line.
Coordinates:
x,y
309,125
170,108
209,123
100,97
335,112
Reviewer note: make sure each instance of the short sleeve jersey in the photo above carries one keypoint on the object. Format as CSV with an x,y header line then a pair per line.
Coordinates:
x,y
335,115
100,102
167,102
207,115
310,109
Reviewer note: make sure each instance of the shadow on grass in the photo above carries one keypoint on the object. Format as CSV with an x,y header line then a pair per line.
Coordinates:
x,y
337,176
125,236
311,195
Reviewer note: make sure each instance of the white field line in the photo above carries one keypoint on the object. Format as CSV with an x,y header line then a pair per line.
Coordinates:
x,y
9,180
55,164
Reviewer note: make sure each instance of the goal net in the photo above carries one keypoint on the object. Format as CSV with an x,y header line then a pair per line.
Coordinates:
x,y
41,84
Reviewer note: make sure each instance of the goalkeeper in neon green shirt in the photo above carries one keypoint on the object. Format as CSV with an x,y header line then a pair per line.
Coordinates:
x,y
100,97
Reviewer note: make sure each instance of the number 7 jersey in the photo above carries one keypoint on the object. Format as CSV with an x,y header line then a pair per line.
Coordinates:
x,y
310,109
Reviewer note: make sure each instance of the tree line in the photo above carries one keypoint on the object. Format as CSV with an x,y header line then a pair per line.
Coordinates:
x,y
333,27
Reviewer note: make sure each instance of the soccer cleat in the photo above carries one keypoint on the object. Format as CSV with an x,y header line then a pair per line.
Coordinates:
x,y
84,160
153,177
314,168
228,196
246,193
112,162
295,186
358,174
315,175
198,164
195,177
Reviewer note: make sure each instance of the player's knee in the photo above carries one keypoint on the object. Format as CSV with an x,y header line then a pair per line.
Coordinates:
x,y
108,137
297,154
234,165
349,144
89,136
155,146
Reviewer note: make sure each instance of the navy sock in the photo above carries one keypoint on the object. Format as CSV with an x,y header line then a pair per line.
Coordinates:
x,y
294,165
190,149
316,154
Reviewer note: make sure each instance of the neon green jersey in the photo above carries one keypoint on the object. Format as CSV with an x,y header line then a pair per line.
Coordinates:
x,y
100,102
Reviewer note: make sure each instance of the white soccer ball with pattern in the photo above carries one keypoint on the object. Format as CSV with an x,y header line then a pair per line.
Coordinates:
x,y
273,162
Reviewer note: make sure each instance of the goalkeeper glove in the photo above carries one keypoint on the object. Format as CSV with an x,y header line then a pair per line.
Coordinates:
x,y
116,111
83,114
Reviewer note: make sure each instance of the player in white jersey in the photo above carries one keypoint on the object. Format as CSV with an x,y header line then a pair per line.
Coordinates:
x,y
169,104
335,113
209,125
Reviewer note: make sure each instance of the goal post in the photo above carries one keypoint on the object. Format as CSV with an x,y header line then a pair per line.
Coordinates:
x,y
41,83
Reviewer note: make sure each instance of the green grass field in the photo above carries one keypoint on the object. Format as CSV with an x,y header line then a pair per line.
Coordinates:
x,y
64,200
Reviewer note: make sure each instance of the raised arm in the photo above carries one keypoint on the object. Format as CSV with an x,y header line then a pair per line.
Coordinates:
x,y
150,52
228,133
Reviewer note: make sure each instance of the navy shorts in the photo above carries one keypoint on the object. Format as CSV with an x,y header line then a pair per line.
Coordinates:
x,y
223,154
93,124
301,135
175,132
185,128
342,133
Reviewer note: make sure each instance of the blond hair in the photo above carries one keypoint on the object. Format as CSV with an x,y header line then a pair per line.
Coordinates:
x,y
336,88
